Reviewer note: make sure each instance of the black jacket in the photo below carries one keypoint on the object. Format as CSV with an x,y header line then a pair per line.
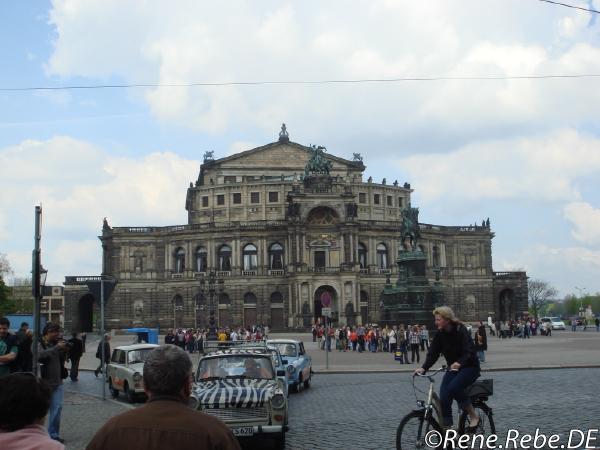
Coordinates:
x,y
76,348
106,351
456,345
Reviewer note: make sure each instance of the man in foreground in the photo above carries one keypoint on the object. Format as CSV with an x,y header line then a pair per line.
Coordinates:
x,y
165,421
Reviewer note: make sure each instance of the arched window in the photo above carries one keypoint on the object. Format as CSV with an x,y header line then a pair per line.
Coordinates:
x,y
224,299
436,256
276,256
201,259
382,256
362,255
179,260
250,257
249,299
276,297
224,256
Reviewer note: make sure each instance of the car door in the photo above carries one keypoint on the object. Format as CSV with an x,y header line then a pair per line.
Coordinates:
x,y
120,370
305,361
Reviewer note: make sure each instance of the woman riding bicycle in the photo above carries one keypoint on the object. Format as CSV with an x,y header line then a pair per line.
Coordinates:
x,y
454,342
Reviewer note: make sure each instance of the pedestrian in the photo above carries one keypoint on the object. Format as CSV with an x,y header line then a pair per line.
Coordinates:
x,y
9,347
403,346
361,333
170,337
482,332
75,353
314,332
414,338
24,361
24,404
354,339
165,421
392,339
480,345
52,352
424,338
597,324
83,338
106,343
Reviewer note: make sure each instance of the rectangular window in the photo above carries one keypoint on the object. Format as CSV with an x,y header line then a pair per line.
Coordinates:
x,y
254,197
205,201
273,197
400,202
230,179
362,197
220,199
237,198
377,199
390,200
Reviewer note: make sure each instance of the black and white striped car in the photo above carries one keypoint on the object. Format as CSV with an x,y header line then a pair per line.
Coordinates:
x,y
240,387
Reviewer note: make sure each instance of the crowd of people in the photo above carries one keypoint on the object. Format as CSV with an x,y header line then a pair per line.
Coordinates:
x,y
523,328
371,338
192,340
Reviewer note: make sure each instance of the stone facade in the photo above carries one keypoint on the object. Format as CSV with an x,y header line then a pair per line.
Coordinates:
x,y
281,239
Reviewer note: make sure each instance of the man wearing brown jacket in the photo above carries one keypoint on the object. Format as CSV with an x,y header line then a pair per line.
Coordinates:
x,y
165,421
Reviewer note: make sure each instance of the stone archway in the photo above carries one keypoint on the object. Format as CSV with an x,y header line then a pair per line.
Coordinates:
x,y
85,313
506,305
323,294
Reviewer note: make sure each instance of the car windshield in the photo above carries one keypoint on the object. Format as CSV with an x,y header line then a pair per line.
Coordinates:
x,y
138,356
286,349
555,319
237,366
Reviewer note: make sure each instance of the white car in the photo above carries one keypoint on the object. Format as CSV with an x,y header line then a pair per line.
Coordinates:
x,y
124,372
556,323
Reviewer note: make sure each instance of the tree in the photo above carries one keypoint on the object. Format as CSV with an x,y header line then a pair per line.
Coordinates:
x,y
7,305
540,294
5,268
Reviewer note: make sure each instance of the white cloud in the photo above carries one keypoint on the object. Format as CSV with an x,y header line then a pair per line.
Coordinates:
x,y
586,220
192,41
78,184
564,267
532,168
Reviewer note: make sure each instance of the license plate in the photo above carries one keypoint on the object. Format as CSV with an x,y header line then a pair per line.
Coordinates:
x,y
243,431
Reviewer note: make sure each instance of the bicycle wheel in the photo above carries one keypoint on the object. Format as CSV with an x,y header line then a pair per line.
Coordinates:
x,y
486,420
413,429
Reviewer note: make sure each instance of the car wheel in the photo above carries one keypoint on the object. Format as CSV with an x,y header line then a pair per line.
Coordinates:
x,y
279,441
129,393
113,391
307,384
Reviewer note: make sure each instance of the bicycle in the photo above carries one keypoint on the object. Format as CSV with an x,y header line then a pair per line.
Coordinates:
x,y
428,417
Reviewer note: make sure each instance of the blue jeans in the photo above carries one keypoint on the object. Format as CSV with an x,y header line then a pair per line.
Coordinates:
x,y
56,403
481,355
453,388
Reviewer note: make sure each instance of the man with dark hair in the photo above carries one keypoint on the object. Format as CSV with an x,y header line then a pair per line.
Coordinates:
x,y
24,403
8,347
101,364
24,362
52,352
165,421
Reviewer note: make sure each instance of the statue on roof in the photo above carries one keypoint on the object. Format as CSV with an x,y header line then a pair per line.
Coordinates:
x,y
356,157
209,156
317,164
105,225
283,134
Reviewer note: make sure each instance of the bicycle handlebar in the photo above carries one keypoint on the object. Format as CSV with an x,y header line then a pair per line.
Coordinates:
x,y
426,375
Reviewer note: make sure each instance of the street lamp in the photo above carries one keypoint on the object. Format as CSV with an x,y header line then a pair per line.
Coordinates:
x,y
581,299
210,287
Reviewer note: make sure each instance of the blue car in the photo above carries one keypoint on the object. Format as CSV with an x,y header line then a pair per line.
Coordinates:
x,y
298,362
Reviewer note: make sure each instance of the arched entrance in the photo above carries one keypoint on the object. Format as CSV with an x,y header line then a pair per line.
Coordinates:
x,y
326,295
201,311
250,310
506,305
86,313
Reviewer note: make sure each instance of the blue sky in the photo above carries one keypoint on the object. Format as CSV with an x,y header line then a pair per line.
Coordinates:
x,y
525,153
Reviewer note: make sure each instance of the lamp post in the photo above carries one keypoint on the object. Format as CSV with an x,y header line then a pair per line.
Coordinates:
x,y
210,287
581,299
39,281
